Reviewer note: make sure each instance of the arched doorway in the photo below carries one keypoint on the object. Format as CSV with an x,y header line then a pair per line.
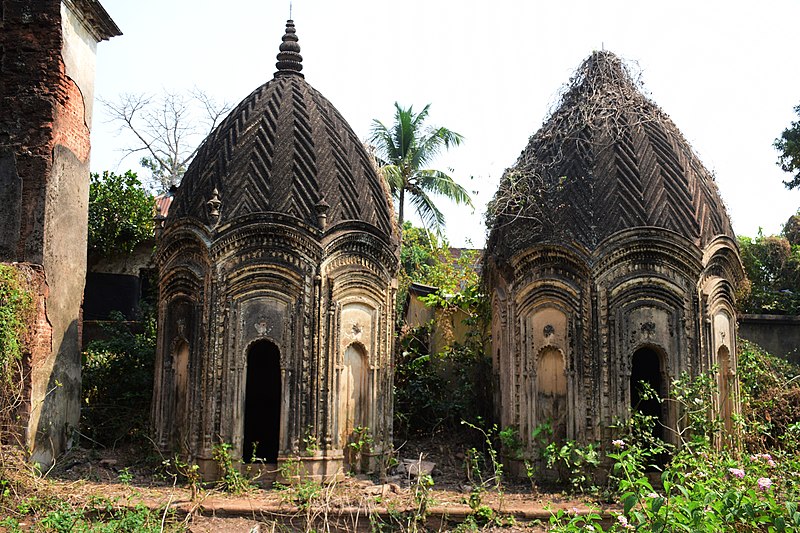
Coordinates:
x,y
180,365
646,367
551,393
353,402
725,400
262,404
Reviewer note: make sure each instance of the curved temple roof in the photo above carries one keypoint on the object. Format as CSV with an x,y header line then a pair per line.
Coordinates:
x,y
608,159
285,148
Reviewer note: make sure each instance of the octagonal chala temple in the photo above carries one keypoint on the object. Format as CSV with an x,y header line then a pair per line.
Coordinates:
x,y
610,261
277,286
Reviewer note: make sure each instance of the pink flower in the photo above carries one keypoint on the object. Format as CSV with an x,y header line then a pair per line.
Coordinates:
x,y
624,522
764,483
771,463
737,472
619,443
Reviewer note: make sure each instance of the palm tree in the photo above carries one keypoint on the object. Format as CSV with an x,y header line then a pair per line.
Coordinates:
x,y
404,150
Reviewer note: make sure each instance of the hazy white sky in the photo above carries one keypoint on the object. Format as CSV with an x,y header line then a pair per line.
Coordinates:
x,y
725,71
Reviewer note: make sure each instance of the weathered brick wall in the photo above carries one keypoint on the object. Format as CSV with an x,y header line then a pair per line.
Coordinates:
x,y
31,88
44,181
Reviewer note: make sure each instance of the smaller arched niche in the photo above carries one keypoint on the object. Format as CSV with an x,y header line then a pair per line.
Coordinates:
x,y
725,388
551,392
647,367
180,367
353,392
262,404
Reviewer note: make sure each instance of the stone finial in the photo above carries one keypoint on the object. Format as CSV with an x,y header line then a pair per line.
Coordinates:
x,y
158,222
290,62
213,207
322,208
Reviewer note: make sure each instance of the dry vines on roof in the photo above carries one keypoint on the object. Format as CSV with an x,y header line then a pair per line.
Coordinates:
x,y
602,93
558,188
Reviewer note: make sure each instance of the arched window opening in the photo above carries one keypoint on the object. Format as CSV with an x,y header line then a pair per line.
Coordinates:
x,y
262,404
353,398
180,365
725,389
551,393
646,368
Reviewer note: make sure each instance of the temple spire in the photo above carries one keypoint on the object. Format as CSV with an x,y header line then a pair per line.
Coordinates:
x,y
290,62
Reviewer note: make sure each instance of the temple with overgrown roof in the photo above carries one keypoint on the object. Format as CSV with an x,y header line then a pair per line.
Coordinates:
x,y
610,262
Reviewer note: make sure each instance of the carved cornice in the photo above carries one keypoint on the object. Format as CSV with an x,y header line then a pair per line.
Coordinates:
x,y
245,279
365,244
183,280
179,238
95,18
260,233
647,246
572,262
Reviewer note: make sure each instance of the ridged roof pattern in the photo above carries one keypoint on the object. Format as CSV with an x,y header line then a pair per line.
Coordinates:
x,y
608,159
285,148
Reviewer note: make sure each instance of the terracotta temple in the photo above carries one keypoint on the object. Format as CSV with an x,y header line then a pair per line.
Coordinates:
x,y
278,269
610,261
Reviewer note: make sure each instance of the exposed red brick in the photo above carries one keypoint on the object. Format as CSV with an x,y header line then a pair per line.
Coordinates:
x,y
32,83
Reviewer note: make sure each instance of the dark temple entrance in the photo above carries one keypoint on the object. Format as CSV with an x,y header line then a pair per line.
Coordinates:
x,y
262,404
646,367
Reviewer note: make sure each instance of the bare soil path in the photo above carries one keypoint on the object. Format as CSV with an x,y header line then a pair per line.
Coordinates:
x,y
358,503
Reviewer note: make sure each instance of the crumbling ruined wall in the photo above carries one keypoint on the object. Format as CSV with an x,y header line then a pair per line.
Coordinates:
x,y
25,337
46,69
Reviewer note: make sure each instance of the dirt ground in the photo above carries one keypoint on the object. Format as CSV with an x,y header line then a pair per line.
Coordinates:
x,y
358,503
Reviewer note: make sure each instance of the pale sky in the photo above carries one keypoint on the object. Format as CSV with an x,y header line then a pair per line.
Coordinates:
x,y
725,71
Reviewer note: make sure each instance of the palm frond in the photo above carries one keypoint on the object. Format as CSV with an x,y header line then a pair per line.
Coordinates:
x,y
405,130
393,175
431,145
427,210
443,184
383,141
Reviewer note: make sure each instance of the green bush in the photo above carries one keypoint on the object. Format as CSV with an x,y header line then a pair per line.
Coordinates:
x,y
438,390
770,390
16,314
118,380
704,488
772,265
99,515
120,213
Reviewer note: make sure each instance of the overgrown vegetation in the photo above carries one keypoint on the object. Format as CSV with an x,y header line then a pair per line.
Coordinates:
x,y
441,370
99,515
115,408
17,312
703,487
772,264
120,213
16,315
770,389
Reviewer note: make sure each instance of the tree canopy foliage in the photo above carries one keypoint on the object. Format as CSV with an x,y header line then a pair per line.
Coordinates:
x,y
772,264
404,150
428,259
788,144
120,213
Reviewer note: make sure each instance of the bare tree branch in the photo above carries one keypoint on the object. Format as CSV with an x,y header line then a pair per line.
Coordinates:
x,y
167,129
